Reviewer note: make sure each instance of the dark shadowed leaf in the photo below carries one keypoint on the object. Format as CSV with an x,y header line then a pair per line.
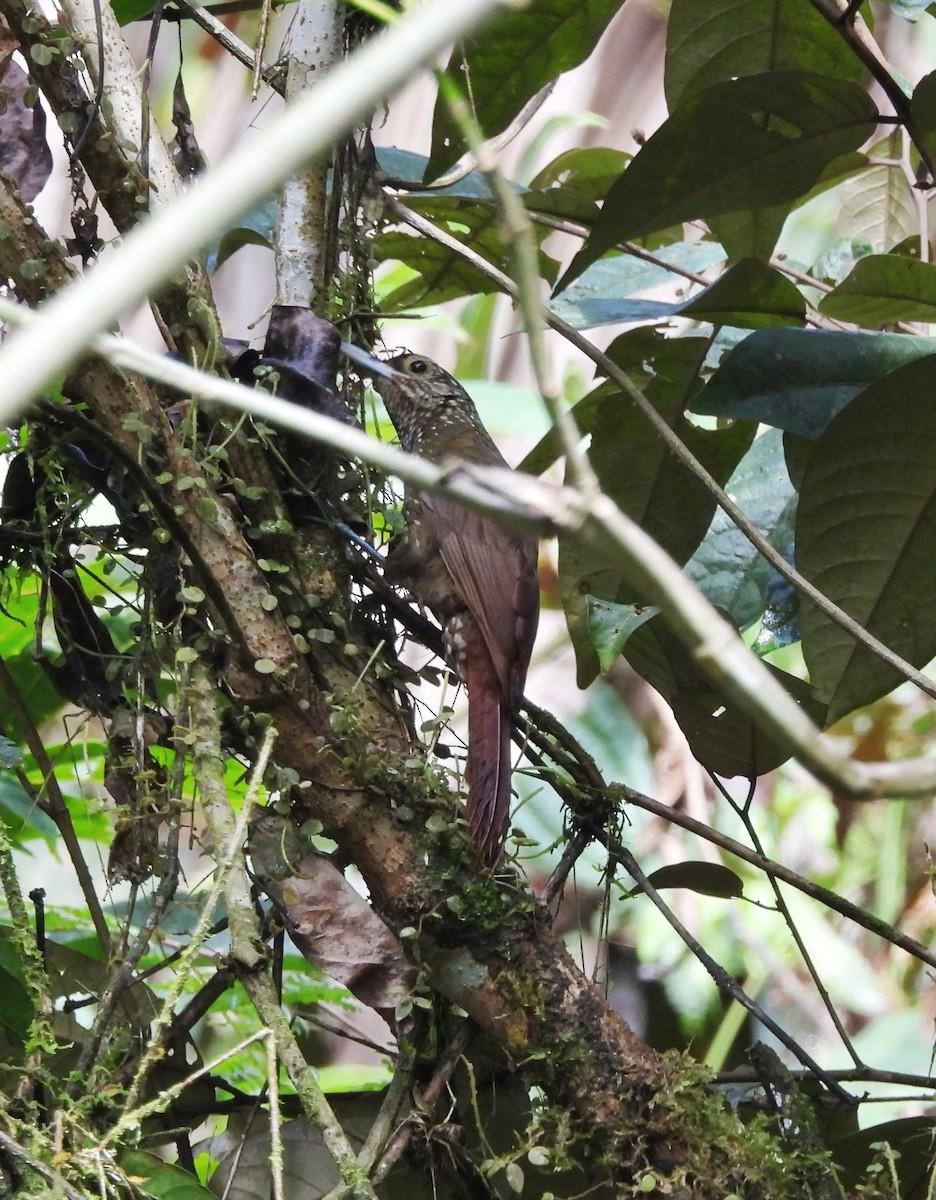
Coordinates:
x,y
640,474
721,735
910,1139
924,112
708,879
883,289
710,41
509,62
635,468
865,533
798,380
717,154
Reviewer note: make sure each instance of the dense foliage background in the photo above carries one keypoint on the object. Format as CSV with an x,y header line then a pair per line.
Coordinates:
x,y
246,950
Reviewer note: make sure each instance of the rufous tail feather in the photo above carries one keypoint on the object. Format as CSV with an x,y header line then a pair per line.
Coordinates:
x,y
488,766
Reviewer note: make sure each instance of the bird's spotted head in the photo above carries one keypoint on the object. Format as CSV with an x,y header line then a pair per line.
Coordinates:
x,y
424,401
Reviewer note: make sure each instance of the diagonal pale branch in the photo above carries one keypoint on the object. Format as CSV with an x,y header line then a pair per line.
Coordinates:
x,y
521,499
151,254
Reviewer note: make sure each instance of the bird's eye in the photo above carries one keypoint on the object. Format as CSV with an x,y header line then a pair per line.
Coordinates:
x,y
418,366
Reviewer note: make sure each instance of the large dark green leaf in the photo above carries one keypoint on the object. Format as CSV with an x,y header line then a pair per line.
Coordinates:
x,y
865,535
748,295
722,736
611,625
710,41
883,289
641,475
910,1140
511,60
752,233
798,380
633,466
726,567
754,142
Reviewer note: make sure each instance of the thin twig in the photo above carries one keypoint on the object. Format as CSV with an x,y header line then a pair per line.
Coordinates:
x,y
272,75
743,813
723,980
845,908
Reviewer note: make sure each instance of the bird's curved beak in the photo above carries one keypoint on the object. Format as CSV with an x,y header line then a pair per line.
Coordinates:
x,y
367,362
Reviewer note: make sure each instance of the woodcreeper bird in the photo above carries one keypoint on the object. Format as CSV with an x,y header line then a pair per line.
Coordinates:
x,y
478,577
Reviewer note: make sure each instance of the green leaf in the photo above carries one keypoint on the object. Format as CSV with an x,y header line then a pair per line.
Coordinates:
x,y
11,755
909,1139
511,60
711,41
923,107
127,11
865,532
798,380
16,1007
21,815
708,879
611,279
162,1180
748,295
255,228
883,289
721,734
590,171
753,142
636,469
641,475
878,205
408,169
726,567
752,233
610,626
